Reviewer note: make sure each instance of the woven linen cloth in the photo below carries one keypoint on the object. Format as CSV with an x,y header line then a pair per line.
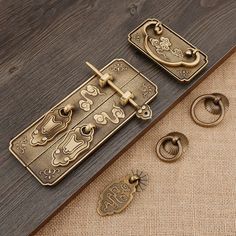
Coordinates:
x,y
194,196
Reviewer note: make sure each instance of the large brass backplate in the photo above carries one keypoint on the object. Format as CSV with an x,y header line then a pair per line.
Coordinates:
x,y
76,126
172,52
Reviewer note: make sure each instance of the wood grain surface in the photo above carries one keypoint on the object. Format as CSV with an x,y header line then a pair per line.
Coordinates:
x,y
43,47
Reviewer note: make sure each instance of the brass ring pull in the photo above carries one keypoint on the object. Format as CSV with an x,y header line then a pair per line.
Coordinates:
x,y
214,103
190,52
171,147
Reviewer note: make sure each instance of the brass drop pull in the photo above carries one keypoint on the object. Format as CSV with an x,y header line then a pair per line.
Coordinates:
x,y
53,123
75,142
143,112
171,147
216,104
118,194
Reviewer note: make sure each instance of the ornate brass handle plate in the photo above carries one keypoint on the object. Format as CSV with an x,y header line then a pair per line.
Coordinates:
x,y
67,134
168,49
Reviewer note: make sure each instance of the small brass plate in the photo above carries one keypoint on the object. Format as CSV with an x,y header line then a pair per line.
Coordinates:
x,y
63,137
172,52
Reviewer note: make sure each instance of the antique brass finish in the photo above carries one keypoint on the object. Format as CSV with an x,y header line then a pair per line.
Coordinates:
x,y
53,123
75,142
168,49
216,104
118,195
83,121
144,111
172,146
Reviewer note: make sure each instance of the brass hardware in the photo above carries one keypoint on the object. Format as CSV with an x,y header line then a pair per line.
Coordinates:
x,y
144,111
53,123
118,195
68,108
89,116
216,104
172,146
168,49
75,142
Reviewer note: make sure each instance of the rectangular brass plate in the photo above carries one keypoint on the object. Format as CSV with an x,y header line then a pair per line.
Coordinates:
x,y
50,159
172,52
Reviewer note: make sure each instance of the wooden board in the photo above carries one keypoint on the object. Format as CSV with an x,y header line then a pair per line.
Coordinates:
x,y
43,47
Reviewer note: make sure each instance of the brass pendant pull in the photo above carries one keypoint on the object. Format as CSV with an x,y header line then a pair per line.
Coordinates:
x,y
75,142
171,147
118,195
52,124
216,104
144,111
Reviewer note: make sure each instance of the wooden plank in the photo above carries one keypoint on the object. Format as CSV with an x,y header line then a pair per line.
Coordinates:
x,y
43,47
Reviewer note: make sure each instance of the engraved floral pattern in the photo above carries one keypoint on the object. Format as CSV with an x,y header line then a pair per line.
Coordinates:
x,y
147,90
137,38
184,74
119,67
49,173
177,52
21,145
163,44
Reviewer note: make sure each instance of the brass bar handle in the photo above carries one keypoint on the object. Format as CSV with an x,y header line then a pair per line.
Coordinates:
x,y
190,52
144,111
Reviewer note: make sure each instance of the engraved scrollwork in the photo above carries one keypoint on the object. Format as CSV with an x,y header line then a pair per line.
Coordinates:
x,y
115,197
21,145
90,90
49,173
103,118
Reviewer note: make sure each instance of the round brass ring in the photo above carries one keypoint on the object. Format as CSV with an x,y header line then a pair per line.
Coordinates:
x,y
161,143
205,124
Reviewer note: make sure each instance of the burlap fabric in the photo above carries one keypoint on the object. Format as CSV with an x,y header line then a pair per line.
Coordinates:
x,y
195,196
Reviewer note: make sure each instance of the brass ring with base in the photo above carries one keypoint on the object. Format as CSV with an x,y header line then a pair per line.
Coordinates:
x,y
172,146
215,103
